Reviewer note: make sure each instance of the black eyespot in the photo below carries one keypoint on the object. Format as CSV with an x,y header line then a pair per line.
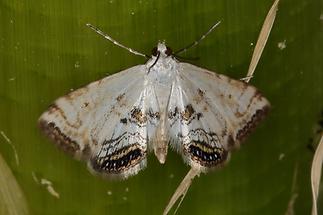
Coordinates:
x,y
154,51
168,51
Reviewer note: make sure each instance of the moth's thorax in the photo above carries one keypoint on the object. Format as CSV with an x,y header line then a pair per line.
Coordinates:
x,y
162,68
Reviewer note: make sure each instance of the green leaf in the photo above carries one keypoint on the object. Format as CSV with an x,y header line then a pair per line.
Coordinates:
x,y
46,50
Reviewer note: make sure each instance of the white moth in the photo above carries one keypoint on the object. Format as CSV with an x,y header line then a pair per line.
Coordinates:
x,y
114,122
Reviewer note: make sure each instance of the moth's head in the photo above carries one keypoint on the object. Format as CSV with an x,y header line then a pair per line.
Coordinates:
x,y
161,49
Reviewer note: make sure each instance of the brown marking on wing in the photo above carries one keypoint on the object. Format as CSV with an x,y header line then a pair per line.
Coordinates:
x,y
121,100
199,96
138,116
120,97
173,114
256,97
205,155
123,120
257,117
200,92
188,112
62,140
53,108
85,104
120,160
154,115
238,114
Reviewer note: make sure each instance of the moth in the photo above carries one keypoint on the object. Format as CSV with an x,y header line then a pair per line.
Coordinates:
x,y
113,123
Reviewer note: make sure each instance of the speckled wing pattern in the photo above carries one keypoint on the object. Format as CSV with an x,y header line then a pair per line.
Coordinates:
x,y
113,123
107,123
210,114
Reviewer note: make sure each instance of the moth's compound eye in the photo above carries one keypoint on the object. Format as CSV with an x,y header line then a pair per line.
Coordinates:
x,y
154,51
168,51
